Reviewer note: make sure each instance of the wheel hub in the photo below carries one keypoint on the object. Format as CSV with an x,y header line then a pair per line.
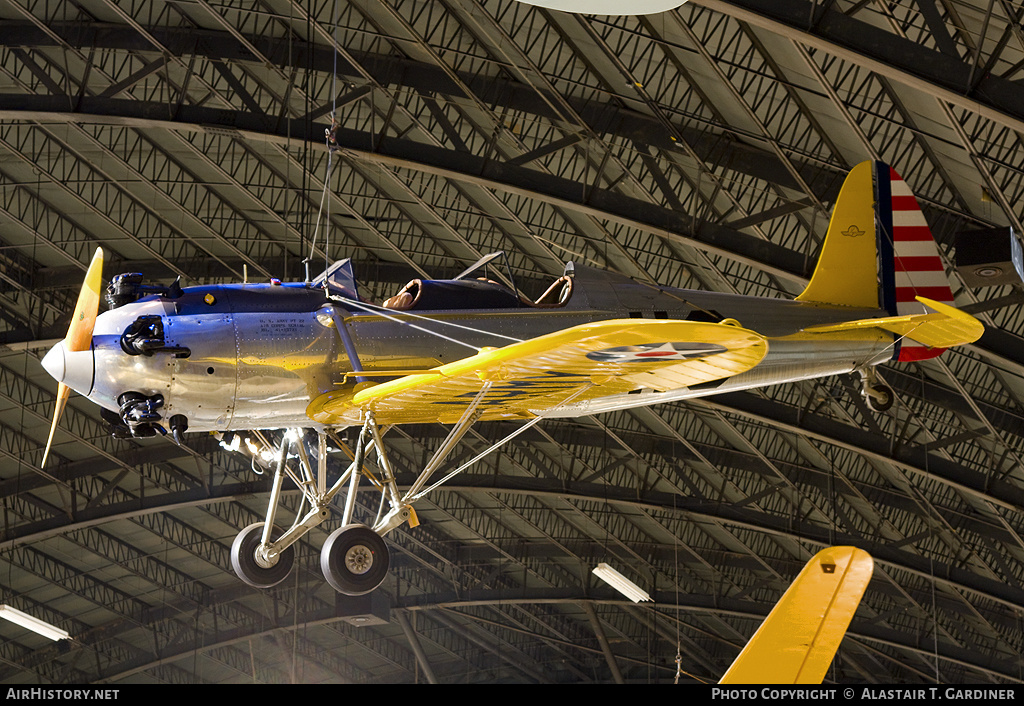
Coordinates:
x,y
359,559
263,558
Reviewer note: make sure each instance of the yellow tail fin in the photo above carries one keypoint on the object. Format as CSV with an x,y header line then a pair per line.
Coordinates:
x,y
847,270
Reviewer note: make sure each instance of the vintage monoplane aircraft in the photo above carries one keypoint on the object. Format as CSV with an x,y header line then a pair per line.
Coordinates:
x,y
315,356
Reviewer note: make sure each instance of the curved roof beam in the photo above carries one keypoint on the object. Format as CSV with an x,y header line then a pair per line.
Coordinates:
x,y
408,154
499,91
942,74
913,458
952,73
861,630
751,519
666,601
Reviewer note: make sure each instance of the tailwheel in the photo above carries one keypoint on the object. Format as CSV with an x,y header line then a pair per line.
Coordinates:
x,y
253,568
354,560
880,398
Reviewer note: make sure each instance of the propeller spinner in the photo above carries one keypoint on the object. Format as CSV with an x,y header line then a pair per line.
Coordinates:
x,y
70,362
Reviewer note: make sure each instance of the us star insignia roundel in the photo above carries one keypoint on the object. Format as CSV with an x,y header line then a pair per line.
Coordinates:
x,y
656,351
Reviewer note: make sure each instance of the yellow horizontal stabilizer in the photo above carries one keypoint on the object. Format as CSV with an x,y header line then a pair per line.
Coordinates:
x,y
798,640
945,328
582,362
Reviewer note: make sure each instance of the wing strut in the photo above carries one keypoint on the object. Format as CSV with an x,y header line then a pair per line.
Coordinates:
x,y
414,493
411,497
401,508
469,417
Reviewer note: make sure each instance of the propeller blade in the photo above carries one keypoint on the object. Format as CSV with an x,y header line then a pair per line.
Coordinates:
x,y
63,392
79,337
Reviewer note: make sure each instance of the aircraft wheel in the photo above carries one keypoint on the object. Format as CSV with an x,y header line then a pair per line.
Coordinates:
x,y
245,564
354,560
880,398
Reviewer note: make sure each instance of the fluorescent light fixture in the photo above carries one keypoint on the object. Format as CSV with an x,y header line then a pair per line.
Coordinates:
x,y
620,583
34,624
615,8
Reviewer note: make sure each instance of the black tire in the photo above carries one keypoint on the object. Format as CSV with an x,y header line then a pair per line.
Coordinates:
x,y
882,398
355,560
243,559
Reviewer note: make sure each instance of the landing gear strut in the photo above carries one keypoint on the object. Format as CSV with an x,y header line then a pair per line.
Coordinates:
x,y
879,396
355,558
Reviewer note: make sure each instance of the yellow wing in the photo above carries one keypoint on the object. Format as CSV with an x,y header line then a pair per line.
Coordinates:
x,y
798,640
582,362
945,328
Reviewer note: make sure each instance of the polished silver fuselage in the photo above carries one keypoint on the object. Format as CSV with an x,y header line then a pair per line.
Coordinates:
x,y
258,354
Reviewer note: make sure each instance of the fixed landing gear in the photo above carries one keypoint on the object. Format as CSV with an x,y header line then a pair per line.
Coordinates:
x,y
253,565
879,396
354,560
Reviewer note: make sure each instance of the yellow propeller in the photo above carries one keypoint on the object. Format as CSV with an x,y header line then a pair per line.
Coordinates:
x,y
79,337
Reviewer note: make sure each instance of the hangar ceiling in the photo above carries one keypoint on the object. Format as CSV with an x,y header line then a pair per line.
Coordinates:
x,y
701,148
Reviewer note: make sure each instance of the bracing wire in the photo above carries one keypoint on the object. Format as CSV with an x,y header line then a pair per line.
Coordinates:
x,y
383,312
675,580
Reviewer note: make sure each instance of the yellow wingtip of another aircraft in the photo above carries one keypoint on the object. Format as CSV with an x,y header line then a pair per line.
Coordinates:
x,y
798,640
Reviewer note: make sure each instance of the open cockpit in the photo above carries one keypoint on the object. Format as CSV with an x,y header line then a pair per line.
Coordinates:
x,y
459,293
446,294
